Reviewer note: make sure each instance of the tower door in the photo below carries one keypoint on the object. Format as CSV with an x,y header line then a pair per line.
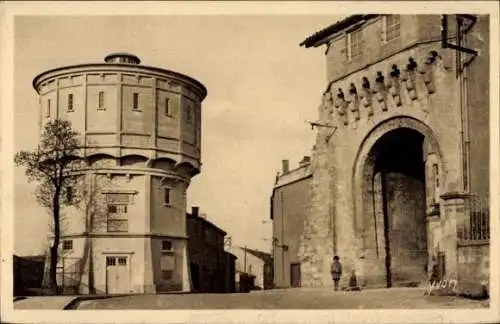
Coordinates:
x,y
117,274
295,274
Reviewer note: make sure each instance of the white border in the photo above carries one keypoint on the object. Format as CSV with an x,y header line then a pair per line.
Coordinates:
x,y
10,9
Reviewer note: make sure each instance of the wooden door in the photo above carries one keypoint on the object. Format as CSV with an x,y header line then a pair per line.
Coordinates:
x,y
117,274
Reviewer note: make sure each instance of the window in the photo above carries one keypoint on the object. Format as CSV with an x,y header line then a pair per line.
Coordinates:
x,y
47,111
189,117
167,106
110,261
166,245
70,102
122,261
354,44
167,196
135,101
117,209
117,220
391,27
101,101
68,245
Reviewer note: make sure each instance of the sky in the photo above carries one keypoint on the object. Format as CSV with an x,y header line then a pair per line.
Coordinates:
x,y
262,86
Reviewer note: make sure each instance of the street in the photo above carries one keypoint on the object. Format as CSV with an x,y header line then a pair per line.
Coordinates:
x,y
410,298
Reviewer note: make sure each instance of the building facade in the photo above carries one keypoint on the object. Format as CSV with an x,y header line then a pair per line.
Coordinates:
x,y
289,207
211,267
141,147
252,265
400,166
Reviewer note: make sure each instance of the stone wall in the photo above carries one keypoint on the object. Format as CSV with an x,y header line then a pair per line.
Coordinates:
x,y
473,269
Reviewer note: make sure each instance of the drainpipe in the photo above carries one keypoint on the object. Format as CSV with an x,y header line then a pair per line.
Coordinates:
x,y
464,118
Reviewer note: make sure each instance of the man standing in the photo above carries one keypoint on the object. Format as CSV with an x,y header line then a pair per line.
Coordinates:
x,y
336,271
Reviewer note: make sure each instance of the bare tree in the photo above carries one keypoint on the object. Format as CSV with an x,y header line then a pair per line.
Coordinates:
x,y
52,165
92,204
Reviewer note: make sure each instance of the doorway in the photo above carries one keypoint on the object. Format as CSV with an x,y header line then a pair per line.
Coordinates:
x,y
117,274
399,206
295,274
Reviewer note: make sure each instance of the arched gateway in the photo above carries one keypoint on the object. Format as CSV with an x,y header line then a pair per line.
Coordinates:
x,y
390,201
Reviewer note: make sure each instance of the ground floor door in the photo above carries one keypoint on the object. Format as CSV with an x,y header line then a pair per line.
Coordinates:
x,y
117,274
195,276
295,274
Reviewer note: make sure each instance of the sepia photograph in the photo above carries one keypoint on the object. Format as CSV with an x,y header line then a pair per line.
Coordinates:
x,y
338,161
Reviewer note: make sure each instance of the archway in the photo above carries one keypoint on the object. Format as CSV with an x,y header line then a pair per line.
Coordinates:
x,y
394,183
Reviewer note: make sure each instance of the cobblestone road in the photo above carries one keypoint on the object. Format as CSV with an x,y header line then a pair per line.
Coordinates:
x,y
412,298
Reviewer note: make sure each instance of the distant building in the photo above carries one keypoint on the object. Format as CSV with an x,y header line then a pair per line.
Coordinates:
x,y
142,138
253,263
212,269
400,168
289,207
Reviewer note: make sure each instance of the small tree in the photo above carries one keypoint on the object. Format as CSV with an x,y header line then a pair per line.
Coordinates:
x,y
52,166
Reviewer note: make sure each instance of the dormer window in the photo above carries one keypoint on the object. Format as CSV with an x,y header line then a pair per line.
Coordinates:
x,y
391,27
354,44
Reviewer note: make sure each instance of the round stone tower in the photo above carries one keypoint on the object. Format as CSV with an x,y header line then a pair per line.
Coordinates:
x,y
141,134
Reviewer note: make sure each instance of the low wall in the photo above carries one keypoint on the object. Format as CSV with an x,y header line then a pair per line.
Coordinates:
x,y
473,268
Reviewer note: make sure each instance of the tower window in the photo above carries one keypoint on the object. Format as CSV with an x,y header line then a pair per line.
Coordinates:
x,y
70,102
68,245
354,44
391,27
189,117
100,105
167,196
117,219
166,245
167,106
47,111
135,101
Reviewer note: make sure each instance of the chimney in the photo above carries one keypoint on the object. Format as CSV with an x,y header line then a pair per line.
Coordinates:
x,y
194,211
305,160
286,166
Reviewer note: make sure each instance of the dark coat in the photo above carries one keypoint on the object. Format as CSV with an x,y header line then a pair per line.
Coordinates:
x,y
336,270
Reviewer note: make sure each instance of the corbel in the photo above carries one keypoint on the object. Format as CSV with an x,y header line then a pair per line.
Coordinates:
x,y
366,95
341,105
427,71
354,101
380,90
394,84
409,77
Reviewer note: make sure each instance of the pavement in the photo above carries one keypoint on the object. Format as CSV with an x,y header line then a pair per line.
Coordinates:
x,y
318,298
293,298
44,302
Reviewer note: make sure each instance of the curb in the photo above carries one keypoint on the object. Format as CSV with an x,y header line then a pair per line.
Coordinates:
x,y
73,304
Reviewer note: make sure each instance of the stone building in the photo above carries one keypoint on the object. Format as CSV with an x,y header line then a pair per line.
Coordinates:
x,y
289,207
252,265
400,169
212,269
141,138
